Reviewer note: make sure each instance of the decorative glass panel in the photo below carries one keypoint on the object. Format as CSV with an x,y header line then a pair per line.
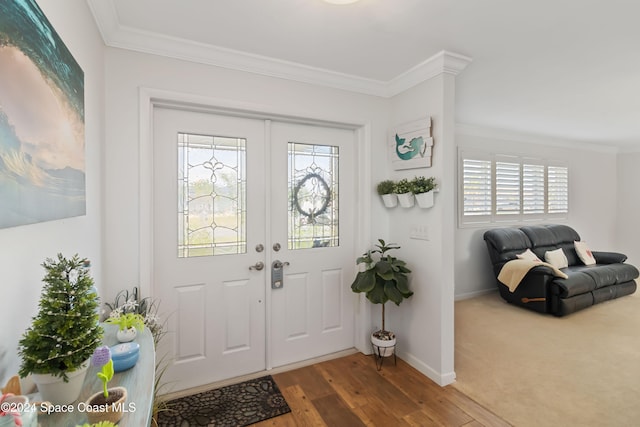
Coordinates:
x,y
313,196
212,184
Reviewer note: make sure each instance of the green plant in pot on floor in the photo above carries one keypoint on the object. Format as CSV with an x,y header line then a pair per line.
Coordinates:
x,y
384,278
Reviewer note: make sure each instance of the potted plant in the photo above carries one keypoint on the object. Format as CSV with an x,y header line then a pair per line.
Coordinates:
x,y
108,404
404,191
423,189
56,348
128,324
384,278
386,192
131,302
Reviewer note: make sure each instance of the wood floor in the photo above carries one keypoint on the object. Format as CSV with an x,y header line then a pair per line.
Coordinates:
x,y
350,392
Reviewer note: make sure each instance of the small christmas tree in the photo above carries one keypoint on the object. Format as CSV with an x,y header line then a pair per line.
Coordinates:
x,y
66,331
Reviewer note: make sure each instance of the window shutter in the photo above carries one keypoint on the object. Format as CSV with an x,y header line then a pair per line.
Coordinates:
x,y
557,189
507,188
476,176
532,189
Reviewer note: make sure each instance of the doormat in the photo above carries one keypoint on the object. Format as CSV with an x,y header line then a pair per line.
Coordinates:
x,y
231,406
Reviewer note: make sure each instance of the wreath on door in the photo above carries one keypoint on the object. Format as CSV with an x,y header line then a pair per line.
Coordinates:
x,y
311,196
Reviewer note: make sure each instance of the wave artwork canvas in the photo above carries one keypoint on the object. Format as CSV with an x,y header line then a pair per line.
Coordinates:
x,y
42,146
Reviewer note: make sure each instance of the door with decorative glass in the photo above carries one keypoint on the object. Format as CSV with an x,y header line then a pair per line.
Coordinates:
x,y
253,245
313,223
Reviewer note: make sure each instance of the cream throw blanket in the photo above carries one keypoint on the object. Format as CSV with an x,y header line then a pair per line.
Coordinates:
x,y
514,271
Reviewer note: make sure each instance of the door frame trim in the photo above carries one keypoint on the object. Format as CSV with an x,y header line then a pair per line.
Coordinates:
x,y
149,98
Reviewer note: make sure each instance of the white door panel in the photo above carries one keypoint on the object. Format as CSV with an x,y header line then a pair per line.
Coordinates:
x,y
215,303
313,311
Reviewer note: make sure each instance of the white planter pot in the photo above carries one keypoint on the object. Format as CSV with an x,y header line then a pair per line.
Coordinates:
x,y
55,390
406,200
425,200
390,200
384,348
126,335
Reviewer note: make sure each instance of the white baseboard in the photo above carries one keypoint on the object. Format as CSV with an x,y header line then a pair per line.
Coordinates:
x,y
437,377
473,294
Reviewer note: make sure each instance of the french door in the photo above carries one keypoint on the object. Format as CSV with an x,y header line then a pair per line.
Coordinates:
x,y
253,242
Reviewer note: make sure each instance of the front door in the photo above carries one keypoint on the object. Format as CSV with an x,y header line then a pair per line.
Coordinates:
x,y
253,243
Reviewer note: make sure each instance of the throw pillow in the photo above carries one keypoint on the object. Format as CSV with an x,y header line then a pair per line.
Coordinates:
x,y
556,258
529,256
584,253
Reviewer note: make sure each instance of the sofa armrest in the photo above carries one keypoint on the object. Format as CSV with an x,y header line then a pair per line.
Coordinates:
x,y
609,257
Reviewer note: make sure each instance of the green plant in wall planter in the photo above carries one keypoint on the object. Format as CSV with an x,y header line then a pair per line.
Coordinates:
x,y
423,188
384,278
404,191
57,346
386,190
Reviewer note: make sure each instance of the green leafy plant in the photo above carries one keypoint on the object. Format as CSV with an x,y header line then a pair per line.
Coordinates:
x,y
130,302
420,184
403,186
127,320
384,278
65,332
386,187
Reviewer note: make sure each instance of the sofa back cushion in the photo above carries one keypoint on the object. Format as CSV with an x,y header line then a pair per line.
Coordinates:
x,y
553,236
504,244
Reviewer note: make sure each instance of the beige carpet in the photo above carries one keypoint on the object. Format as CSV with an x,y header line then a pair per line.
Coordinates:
x,y
540,370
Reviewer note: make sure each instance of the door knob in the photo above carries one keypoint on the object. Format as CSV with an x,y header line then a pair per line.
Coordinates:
x,y
257,266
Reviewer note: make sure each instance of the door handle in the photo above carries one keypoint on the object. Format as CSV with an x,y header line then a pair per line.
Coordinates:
x,y
279,264
257,266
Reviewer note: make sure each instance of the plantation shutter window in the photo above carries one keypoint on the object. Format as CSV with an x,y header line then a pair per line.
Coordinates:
x,y
557,189
533,189
477,188
507,188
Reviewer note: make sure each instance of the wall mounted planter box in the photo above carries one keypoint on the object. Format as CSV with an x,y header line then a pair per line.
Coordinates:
x,y
425,200
406,200
390,200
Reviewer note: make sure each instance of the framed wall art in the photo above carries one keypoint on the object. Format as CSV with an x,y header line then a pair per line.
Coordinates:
x,y
410,145
42,146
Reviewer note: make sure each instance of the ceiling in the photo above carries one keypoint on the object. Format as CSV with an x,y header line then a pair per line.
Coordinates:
x,y
568,70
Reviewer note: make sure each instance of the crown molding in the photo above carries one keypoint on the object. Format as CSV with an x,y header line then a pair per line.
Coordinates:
x,y
119,36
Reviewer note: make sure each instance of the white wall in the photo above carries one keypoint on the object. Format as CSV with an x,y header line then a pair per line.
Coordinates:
x,y
424,322
628,231
592,199
23,249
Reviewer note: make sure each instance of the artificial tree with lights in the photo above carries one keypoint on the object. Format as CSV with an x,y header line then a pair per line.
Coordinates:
x,y
65,332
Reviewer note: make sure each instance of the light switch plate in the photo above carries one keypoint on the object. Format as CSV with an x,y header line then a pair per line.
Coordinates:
x,y
419,232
